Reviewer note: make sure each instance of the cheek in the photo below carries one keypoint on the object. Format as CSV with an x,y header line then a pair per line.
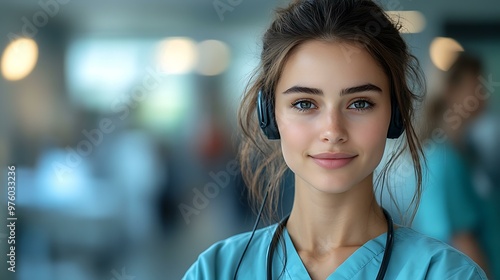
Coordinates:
x,y
372,135
294,139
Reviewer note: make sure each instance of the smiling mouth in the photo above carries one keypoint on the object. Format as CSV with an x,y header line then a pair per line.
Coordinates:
x,y
333,161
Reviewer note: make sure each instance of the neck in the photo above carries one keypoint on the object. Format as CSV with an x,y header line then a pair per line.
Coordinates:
x,y
321,222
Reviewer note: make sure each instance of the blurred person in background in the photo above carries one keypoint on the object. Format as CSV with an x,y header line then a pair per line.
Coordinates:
x,y
332,94
450,206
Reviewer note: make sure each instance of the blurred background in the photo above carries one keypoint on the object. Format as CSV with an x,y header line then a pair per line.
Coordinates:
x,y
120,117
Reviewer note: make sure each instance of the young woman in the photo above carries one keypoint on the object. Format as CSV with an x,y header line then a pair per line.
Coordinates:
x,y
335,81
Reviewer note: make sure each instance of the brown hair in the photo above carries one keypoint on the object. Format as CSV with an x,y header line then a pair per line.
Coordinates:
x,y
358,22
464,64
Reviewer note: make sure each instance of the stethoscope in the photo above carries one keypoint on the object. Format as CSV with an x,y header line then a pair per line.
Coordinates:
x,y
281,226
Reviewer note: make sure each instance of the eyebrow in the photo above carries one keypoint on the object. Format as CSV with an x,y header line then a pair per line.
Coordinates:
x,y
349,90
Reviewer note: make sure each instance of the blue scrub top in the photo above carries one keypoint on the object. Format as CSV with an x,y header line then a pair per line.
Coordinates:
x,y
414,257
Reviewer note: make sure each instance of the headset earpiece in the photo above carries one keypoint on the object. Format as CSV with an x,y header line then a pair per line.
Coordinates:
x,y
396,127
267,121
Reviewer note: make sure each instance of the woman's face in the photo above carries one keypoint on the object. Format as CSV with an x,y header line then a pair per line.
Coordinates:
x,y
333,112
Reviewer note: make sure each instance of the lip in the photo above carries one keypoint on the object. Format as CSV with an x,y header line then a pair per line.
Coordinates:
x,y
333,160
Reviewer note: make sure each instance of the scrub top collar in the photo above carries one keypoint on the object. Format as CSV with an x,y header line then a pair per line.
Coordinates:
x,y
362,257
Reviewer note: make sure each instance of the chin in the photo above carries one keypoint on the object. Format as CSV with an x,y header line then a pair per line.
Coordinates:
x,y
332,185
336,189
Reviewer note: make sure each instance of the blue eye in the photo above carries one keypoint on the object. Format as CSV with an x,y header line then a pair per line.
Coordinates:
x,y
303,105
361,105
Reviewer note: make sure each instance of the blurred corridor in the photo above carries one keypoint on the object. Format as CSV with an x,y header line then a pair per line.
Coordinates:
x,y
120,120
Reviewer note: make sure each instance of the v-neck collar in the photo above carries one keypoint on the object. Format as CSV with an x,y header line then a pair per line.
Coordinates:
x,y
347,270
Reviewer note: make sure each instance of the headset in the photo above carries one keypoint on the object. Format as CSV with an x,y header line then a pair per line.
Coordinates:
x,y
267,121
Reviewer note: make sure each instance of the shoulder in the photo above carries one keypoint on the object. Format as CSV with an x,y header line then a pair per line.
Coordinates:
x,y
429,258
221,259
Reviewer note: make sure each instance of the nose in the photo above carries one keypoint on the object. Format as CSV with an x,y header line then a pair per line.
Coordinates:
x,y
333,128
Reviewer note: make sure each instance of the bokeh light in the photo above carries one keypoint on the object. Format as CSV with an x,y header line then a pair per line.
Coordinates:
x,y
177,55
166,107
411,21
19,59
444,51
214,57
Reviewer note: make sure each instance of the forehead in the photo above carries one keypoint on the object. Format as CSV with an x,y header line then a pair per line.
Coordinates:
x,y
331,66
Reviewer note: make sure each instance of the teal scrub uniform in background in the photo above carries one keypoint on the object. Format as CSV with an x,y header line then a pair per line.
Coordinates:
x,y
450,205
414,256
